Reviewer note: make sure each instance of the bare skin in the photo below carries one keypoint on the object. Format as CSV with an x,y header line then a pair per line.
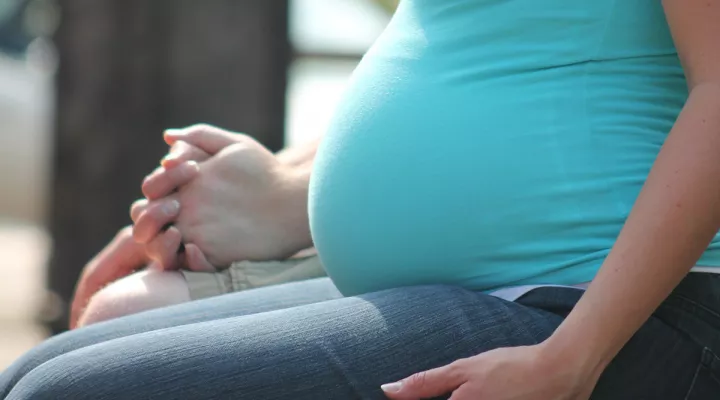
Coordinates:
x,y
109,286
120,258
141,291
241,204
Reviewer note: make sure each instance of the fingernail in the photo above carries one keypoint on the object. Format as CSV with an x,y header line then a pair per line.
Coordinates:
x,y
194,165
171,208
173,132
391,387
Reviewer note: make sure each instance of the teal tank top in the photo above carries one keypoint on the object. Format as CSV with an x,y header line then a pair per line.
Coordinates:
x,y
493,143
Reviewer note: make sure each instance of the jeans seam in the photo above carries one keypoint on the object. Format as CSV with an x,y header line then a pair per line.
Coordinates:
x,y
699,305
692,384
708,361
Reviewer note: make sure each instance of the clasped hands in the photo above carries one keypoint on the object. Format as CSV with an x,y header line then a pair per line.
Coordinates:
x,y
222,197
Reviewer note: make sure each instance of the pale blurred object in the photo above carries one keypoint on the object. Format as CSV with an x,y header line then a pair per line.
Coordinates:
x,y
17,339
26,102
335,26
329,38
23,254
314,88
25,141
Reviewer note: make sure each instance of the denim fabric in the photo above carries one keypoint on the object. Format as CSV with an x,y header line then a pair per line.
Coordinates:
x,y
258,301
673,356
234,347
694,309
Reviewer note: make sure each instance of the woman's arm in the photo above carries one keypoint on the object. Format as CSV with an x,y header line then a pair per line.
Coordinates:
x,y
301,156
677,213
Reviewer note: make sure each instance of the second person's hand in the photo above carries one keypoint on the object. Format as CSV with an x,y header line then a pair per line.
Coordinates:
x,y
242,203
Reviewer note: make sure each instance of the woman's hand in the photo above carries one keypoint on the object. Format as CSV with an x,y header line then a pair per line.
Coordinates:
x,y
242,203
121,257
178,168
516,373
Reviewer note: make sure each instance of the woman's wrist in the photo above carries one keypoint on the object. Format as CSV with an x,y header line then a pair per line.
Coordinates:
x,y
567,348
300,155
295,204
569,361
581,345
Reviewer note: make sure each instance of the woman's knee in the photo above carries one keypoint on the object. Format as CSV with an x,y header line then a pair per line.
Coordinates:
x,y
138,292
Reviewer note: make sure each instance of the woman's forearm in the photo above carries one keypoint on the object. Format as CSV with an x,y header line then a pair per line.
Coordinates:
x,y
301,155
674,219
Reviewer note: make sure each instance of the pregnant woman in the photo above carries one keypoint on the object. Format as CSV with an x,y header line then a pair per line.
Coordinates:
x,y
491,160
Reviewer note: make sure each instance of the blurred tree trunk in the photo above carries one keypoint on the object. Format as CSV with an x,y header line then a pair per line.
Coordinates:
x,y
128,70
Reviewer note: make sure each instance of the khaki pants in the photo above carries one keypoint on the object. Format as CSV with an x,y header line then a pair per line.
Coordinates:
x,y
245,275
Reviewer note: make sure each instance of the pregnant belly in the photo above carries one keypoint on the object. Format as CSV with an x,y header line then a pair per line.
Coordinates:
x,y
487,156
413,187
479,183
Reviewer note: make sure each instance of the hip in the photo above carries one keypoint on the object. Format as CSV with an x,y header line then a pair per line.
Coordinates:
x,y
672,356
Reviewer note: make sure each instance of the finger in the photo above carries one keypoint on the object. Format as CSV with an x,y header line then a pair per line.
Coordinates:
x,y
154,218
208,138
156,171
137,208
164,182
196,260
428,384
181,152
163,249
118,259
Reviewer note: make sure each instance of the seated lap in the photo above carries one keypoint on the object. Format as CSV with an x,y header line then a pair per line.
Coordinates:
x,y
342,348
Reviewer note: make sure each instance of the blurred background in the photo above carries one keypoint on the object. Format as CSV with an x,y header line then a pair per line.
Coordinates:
x,y
86,89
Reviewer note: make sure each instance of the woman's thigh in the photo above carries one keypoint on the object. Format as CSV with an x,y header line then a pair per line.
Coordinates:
x,y
236,304
339,349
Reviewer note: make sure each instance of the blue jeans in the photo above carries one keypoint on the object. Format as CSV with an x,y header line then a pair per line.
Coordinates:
x,y
303,341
